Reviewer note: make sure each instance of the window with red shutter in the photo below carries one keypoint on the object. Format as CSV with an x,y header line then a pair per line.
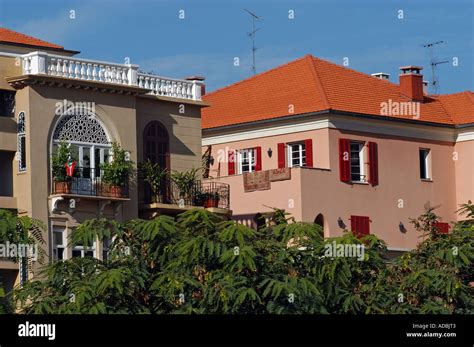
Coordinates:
x,y
281,156
258,160
373,164
231,162
308,144
344,160
360,225
441,227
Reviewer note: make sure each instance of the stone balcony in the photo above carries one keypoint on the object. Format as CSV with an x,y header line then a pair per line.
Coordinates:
x,y
120,75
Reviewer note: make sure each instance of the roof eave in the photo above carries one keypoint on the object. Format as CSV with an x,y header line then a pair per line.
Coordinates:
x,y
39,47
333,112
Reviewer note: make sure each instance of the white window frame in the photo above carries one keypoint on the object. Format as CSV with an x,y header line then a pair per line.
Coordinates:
x,y
83,250
56,246
252,160
302,158
362,172
427,173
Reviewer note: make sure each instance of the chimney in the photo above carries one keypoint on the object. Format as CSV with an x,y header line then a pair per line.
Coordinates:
x,y
381,75
411,82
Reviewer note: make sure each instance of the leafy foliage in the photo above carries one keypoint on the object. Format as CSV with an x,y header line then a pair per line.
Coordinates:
x,y
118,171
59,160
201,263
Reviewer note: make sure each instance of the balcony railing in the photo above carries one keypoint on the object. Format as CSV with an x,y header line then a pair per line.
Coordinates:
x,y
41,63
205,194
89,182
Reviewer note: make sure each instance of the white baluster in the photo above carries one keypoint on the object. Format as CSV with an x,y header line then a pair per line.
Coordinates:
x,y
190,91
124,77
173,93
52,67
64,62
147,84
118,75
94,72
152,85
83,71
77,69
71,69
101,73
58,67
107,74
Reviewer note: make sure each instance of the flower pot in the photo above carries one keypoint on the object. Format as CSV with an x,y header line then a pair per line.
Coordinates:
x,y
62,187
115,191
211,202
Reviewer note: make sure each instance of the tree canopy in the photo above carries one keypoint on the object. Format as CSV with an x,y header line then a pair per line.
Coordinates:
x,y
201,263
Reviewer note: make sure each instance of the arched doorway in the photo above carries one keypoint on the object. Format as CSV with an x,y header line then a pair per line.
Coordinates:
x,y
156,144
319,220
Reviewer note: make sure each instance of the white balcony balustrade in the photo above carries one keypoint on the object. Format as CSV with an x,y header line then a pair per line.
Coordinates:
x,y
41,63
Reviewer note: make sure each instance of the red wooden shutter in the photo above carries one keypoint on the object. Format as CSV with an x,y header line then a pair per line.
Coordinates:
x,y
354,224
442,228
360,225
308,144
258,158
373,164
281,156
344,165
231,162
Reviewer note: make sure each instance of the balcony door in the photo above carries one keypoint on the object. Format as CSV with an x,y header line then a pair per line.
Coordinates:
x,y
156,148
89,160
156,144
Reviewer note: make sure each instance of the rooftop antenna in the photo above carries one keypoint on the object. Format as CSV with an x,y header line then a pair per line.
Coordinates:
x,y
434,80
252,35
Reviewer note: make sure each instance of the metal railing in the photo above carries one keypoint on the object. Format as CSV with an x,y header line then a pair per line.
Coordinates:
x,y
205,194
88,182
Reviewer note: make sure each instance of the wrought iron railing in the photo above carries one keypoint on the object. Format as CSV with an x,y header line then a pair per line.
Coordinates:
x,y
89,182
206,194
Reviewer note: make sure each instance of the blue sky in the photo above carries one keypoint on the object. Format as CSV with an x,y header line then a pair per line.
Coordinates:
x,y
212,33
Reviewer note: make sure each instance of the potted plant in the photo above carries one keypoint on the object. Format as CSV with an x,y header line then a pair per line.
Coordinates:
x,y
210,199
185,182
117,172
61,180
156,178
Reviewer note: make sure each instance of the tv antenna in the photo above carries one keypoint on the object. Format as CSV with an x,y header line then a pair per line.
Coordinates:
x,y
433,63
252,36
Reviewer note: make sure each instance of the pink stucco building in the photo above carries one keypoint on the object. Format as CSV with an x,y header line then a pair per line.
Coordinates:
x,y
352,150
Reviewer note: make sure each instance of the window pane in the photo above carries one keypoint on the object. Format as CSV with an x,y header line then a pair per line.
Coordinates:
x,y
58,238
60,253
355,162
423,168
76,253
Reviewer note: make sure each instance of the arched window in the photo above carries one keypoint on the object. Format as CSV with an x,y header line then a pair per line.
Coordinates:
x,y
156,144
88,141
21,154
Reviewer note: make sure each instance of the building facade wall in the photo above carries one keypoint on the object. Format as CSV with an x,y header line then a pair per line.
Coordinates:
x,y
399,196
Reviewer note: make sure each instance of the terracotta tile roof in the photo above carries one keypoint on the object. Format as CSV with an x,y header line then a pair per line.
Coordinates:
x,y
10,36
310,84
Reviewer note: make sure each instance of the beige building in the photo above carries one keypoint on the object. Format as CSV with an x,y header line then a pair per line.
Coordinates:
x,y
49,96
